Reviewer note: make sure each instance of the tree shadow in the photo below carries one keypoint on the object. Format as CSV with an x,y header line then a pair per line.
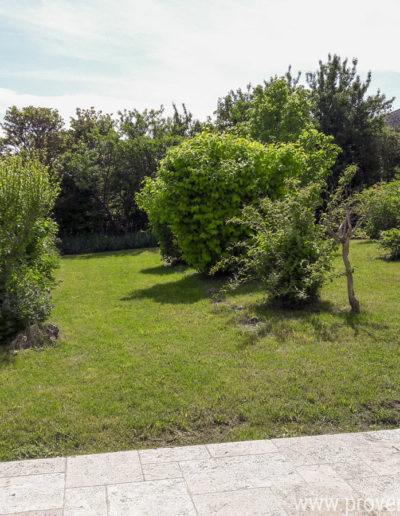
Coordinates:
x,y
386,258
188,290
162,270
281,323
7,357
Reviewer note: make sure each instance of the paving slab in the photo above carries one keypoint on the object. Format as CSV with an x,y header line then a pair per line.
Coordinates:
x,y
176,454
85,501
32,467
158,498
253,502
31,493
103,469
355,474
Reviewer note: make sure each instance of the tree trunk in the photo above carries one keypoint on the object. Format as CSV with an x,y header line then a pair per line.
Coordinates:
x,y
355,305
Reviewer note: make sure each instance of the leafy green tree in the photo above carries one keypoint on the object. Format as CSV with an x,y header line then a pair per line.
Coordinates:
x,y
88,123
87,167
279,112
35,131
356,120
233,109
27,244
89,173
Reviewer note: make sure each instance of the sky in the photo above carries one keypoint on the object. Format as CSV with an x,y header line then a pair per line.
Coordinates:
x,y
117,54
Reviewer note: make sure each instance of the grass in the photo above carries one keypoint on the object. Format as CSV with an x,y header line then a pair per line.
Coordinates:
x,y
147,359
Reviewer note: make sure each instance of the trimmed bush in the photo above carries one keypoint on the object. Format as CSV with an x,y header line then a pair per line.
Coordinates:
x,y
209,179
381,204
390,240
27,244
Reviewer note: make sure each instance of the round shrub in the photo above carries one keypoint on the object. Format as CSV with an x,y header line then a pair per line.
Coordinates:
x,y
209,179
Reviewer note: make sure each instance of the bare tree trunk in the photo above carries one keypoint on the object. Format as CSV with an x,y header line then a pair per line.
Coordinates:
x,y
355,305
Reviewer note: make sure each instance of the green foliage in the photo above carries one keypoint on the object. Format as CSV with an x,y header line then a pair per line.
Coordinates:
x,y
381,205
209,179
355,119
289,252
148,200
390,240
35,131
233,109
277,111
98,242
27,251
167,241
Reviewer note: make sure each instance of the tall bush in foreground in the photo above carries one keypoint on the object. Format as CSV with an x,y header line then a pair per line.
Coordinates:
x,y
27,251
209,179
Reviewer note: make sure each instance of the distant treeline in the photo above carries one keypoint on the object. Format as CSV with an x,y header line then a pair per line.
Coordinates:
x,y
101,160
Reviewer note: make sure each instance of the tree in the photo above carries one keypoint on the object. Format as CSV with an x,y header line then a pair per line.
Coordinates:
x,y
355,120
342,221
88,123
107,160
89,174
233,109
87,166
35,131
279,112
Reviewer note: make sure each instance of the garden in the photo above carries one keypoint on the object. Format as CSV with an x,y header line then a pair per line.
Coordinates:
x,y
250,284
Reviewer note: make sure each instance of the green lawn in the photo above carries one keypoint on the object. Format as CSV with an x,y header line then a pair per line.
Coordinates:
x,y
147,359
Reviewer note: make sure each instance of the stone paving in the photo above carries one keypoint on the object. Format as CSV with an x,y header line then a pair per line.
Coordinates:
x,y
328,474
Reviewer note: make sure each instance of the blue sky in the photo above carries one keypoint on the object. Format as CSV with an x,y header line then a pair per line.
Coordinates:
x,y
116,54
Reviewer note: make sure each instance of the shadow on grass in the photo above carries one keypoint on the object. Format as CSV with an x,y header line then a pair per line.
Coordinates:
x,y
163,270
107,254
387,258
188,289
6,356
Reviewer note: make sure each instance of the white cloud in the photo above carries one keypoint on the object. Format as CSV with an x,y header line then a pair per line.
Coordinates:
x,y
159,51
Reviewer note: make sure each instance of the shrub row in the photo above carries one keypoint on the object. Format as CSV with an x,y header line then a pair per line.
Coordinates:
x,y
97,242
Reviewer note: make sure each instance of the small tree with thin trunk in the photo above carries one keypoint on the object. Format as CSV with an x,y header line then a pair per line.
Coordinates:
x,y
341,221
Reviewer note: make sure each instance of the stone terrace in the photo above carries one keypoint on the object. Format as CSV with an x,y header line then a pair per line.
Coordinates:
x,y
358,473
